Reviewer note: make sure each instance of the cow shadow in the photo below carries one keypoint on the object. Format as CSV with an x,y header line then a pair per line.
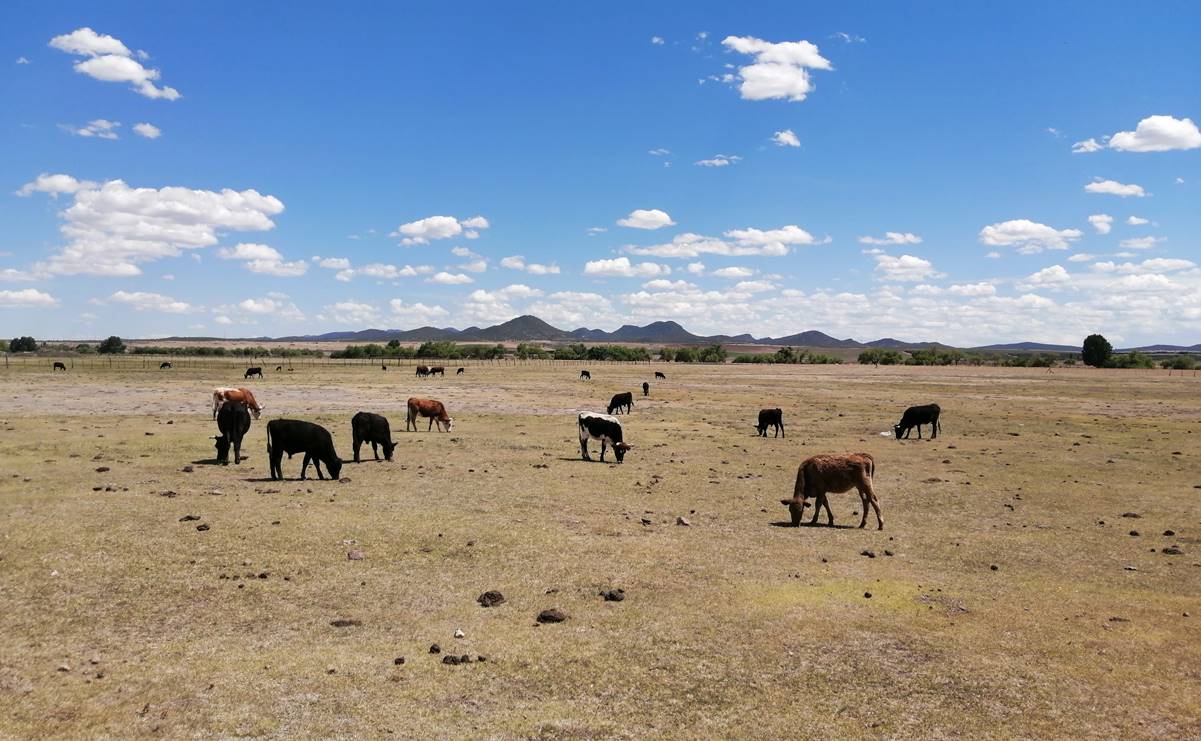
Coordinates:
x,y
207,462
806,523
578,459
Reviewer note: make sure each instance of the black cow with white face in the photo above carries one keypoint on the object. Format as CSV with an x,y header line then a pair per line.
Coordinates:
x,y
294,436
372,428
605,428
233,421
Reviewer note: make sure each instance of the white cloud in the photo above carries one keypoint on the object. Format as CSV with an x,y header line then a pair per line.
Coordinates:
x,y
1054,275
738,242
973,289
223,320
1028,236
109,60
332,263
780,70
1103,223
1112,187
622,268
423,231
1082,257
417,313
352,312
275,306
111,228
383,271
734,271
696,268
575,308
1087,146
22,60
1158,134
659,152
1137,221
719,160
753,286
145,301
28,298
260,258
893,238
786,138
850,38
12,275
517,262
147,130
475,266
643,218
101,128
449,279
662,284
904,268
463,252
657,40
1140,243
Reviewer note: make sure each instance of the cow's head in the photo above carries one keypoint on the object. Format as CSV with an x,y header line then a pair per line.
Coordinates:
x,y
898,431
388,448
222,448
334,466
619,450
450,424
795,508
256,411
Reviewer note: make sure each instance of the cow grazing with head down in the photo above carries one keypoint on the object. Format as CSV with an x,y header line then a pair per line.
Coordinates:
x,y
58,367
251,372
660,375
833,474
431,408
460,371
585,375
438,370
233,422
423,371
372,428
646,389
164,366
916,417
279,368
294,436
224,394
621,401
770,418
607,429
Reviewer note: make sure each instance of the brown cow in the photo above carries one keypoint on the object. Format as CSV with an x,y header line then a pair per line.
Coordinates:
x,y
223,394
833,474
428,408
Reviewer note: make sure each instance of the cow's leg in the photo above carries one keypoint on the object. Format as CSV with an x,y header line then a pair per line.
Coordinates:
x,y
829,514
304,466
602,450
782,430
430,426
919,431
237,451
870,496
357,442
934,430
277,457
584,449
863,506
375,450
317,467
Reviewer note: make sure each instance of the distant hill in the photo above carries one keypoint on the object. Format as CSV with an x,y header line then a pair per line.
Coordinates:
x,y
522,328
1032,346
1165,348
811,338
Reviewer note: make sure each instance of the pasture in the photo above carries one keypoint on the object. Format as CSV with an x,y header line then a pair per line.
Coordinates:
x,y
1008,595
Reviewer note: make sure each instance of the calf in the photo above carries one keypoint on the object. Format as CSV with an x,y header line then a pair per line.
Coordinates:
x,y
771,418
833,474
58,367
251,372
233,422
460,371
585,375
222,395
916,417
438,370
621,401
604,428
294,436
164,366
371,428
279,368
428,408
646,389
423,371
660,375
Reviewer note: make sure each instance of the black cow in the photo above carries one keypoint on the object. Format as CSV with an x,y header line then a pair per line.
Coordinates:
x,y
164,366
770,418
383,367
294,436
604,428
916,417
621,401
279,368
233,422
585,375
646,389
423,370
660,375
460,371
255,371
438,370
58,367
372,428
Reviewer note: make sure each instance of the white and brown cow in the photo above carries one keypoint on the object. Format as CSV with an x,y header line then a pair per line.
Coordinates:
x,y
223,394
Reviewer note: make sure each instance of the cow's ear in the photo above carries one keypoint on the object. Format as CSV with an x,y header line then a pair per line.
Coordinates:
x,y
785,501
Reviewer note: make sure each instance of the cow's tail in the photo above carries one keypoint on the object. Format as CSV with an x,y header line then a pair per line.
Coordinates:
x,y
268,442
799,489
871,464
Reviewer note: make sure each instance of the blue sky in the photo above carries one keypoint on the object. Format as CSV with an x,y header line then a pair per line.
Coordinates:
x,y
865,170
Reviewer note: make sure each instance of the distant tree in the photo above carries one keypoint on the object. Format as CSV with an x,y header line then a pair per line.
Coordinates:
x,y
712,354
23,344
1096,350
112,346
393,344
786,355
84,349
667,354
1180,362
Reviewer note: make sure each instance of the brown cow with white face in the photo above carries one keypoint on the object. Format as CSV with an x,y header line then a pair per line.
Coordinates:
x,y
223,394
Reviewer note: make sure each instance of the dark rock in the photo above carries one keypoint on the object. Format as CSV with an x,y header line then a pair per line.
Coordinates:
x,y
355,555
103,469
867,595
346,623
1172,551
491,598
1134,533
435,649
1132,515
614,595
993,567
189,518
888,553
398,660
1169,533
553,615
188,469
869,554
202,527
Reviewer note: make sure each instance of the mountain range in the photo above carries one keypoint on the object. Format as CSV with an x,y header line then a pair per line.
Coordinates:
x,y
532,329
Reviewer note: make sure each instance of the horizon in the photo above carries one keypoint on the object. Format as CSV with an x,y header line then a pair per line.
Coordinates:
x,y
863,171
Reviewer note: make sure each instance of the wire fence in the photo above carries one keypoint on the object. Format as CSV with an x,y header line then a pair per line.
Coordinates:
x,y
22,361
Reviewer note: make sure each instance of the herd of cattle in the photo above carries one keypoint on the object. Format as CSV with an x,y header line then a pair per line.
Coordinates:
x,y
817,476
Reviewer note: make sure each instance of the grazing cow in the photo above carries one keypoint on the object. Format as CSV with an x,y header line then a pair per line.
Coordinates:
x,y
278,368
58,367
164,366
585,375
833,474
460,371
383,367
372,428
770,418
224,394
660,375
916,417
423,371
255,371
646,389
428,408
605,428
438,370
233,422
294,436
621,401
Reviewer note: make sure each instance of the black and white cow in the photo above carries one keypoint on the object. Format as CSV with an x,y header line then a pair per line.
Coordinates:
x,y
372,428
770,418
926,414
294,436
460,371
165,365
605,428
233,422
622,401
585,375
255,371
58,367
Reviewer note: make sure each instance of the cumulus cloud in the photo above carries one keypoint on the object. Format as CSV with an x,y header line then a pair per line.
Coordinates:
x,y
786,138
734,271
1103,223
659,152
1137,221
779,71
621,267
383,271
260,258
1114,188
417,313
517,262
972,289
28,298
575,308
145,301
1087,146
1082,257
12,275
657,40
643,218
147,130
109,60
893,238
22,60
719,160
100,128
696,268
276,306
1140,243
332,263
449,279
1027,236
423,231
904,268
352,313
737,243
1158,134
111,228
1054,275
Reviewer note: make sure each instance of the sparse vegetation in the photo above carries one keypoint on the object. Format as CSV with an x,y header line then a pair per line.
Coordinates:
x,y
111,346
23,344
